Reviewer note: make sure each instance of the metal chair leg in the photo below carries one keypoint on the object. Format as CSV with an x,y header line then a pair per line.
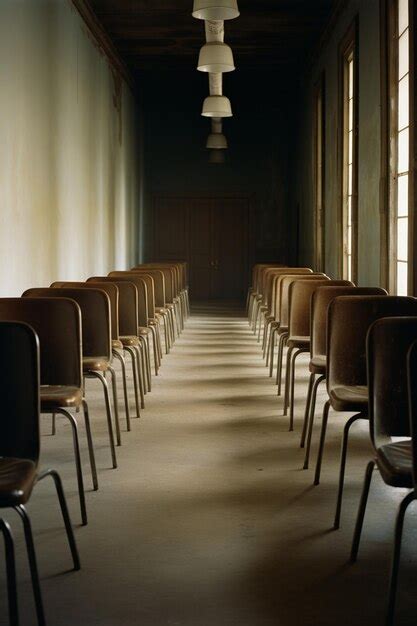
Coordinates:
x,y
115,406
136,384
282,340
90,445
292,386
325,418
122,361
287,379
343,456
399,524
361,511
141,374
78,464
65,514
33,565
11,573
272,336
311,420
307,409
109,416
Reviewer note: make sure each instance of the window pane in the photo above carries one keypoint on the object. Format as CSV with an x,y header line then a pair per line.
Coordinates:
x,y
350,149
350,121
350,179
403,103
403,150
402,15
402,239
403,55
402,275
350,78
402,199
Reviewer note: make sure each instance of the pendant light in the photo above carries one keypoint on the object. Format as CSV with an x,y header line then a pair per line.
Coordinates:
x,y
216,10
216,57
217,106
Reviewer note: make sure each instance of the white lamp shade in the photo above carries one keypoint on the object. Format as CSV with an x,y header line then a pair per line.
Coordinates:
x,y
216,141
216,57
217,106
216,10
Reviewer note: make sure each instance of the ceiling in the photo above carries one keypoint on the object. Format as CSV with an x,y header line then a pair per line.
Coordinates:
x,y
162,35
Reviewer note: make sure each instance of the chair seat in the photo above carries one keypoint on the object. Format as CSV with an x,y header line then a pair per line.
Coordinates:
x,y
54,396
395,462
282,329
318,364
96,364
298,342
349,398
130,340
116,344
161,310
154,321
144,330
17,477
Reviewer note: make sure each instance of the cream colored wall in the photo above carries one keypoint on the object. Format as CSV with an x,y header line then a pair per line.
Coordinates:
x,y
68,171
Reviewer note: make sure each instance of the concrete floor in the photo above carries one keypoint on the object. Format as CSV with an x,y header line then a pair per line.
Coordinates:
x,y
210,520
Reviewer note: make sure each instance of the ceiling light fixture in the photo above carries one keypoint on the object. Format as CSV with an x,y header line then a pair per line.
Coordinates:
x,y
216,57
215,9
217,106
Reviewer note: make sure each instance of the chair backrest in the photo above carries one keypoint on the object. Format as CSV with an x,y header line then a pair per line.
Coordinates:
x,y
138,280
158,283
412,404
170,278
274,298
269,281
299,304
128,303
320,301
348,322
19,389
57,324
95,316
388,342
109,288
283,285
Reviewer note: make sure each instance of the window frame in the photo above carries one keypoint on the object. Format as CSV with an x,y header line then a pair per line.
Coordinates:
x,y
389,129
319,165
348,47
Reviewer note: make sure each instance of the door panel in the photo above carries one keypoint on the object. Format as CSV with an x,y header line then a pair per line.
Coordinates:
x,y
212,235
201,248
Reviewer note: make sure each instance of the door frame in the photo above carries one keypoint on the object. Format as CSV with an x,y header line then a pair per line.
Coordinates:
x,y
249,248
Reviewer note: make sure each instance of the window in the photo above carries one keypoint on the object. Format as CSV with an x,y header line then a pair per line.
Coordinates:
x,y
399,147
319,172
348,143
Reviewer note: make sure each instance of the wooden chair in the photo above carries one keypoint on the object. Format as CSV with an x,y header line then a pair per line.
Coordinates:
x,y
391,350
348,322
117,347
20,450
321,299
57,323
96,341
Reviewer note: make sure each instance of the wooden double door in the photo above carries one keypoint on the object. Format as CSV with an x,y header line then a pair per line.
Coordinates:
x,y
211,233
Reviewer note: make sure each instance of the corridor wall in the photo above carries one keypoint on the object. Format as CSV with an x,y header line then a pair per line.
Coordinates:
x,y
69,174
367,13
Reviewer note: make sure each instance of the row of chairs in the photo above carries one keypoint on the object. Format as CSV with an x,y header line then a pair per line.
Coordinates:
x,y
361,342
52,340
